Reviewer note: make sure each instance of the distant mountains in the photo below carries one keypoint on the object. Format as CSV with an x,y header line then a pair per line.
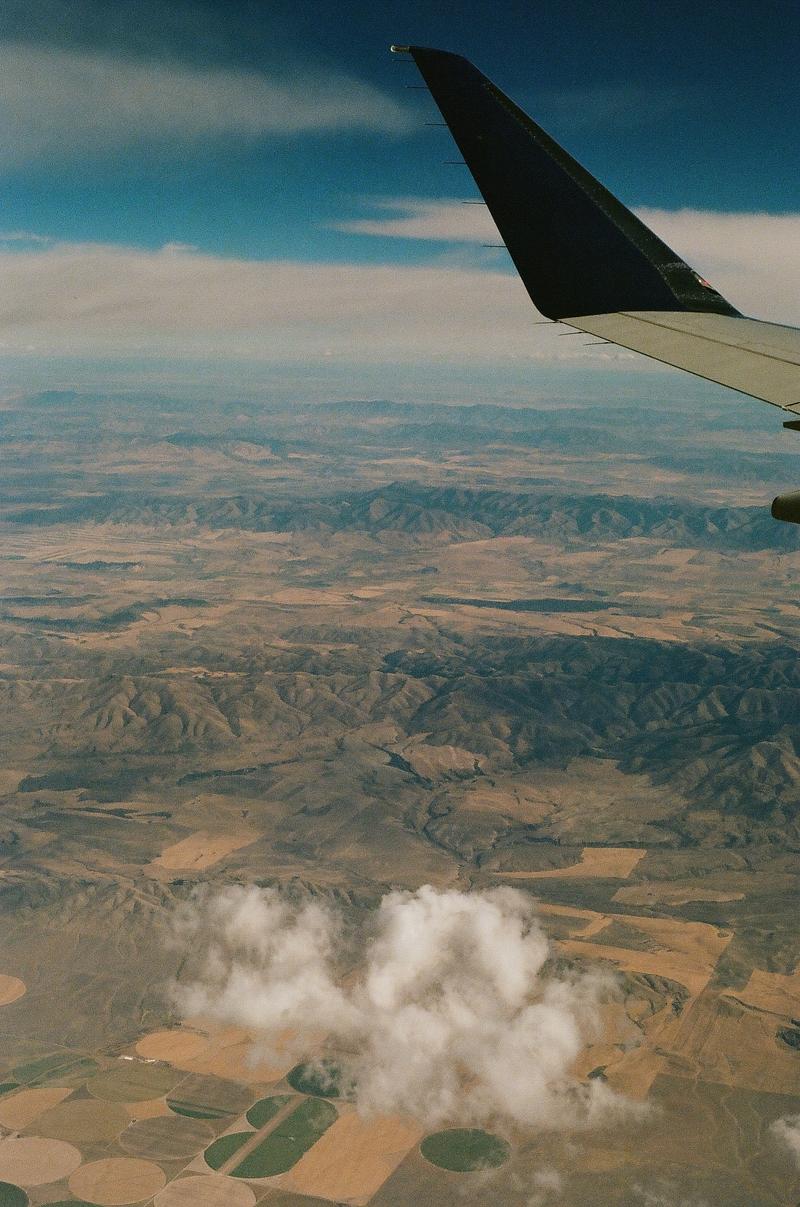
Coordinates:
x,y
449,512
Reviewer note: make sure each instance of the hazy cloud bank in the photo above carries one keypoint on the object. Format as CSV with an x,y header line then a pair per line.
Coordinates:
x,y
449,1016
62,102
464,308
104,300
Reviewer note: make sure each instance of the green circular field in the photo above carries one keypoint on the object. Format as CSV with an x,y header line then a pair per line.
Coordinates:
x,y
464,1149
321,1078
218,1153
265,1109
284,1146
12,1196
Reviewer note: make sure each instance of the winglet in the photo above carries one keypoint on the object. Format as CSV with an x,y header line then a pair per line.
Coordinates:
x,y
578,250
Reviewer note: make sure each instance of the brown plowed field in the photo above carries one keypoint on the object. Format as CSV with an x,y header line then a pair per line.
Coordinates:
x,y
353,1158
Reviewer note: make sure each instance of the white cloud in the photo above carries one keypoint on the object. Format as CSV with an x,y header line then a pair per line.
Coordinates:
x,y
787,1131
450,1015
754,259
57,103
107,301
451,220
101,300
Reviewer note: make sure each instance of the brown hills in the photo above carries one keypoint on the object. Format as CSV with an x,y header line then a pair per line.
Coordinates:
x,y
372,646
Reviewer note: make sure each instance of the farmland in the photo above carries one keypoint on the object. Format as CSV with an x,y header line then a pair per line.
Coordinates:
x,y
313,672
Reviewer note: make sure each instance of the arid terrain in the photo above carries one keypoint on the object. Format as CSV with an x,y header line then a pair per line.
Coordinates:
x,y
352,647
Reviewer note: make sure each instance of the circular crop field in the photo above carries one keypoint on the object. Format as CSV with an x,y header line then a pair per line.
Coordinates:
x,y
83,1121
11,989
62,1068
166,1137
12,1196
117,1180
285,1144
464,1149
265,1109
33,1162
132,1082
148,1109
173,1046
321,1078
209,1191
203,1096
281,1148
222,1149
19,1111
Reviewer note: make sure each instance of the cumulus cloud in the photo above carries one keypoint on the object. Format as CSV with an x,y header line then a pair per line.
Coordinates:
x,y
787,1131
449,1016
58,103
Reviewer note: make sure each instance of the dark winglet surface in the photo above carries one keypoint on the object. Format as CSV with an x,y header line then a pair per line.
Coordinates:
x,y
578,250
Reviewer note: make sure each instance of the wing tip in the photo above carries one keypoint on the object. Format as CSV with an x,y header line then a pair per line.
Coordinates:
x,y
429,52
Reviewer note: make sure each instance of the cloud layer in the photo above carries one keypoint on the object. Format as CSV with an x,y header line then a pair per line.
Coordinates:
x,y
109,300
450,1015
461,309
58,103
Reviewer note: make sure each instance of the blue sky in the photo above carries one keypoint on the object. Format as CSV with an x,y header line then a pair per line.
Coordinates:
x,y
263,131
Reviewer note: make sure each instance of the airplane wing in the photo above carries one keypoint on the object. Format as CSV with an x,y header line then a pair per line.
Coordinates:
x,y
588,261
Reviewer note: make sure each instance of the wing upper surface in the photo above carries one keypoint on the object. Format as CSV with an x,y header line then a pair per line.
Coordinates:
x,y
760,359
